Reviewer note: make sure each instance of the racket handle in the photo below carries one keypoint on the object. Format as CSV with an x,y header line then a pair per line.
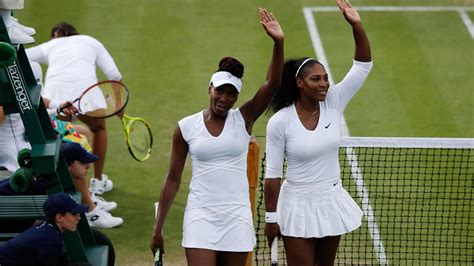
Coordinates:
x,y
156,208
158,258
274,252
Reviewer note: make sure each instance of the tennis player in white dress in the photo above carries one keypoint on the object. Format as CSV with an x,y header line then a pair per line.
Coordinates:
x,y
218,226
311,209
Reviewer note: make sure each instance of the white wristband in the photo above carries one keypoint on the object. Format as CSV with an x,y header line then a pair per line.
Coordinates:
x,y
54,104
270,217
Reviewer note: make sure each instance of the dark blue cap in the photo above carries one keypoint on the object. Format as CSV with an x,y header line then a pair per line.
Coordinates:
x,y
73,151
61,203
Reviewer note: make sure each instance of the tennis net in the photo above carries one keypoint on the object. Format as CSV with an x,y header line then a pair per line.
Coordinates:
x,y
416,195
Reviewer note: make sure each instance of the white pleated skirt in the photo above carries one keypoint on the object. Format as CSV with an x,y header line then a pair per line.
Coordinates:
x,y
316,210
220,228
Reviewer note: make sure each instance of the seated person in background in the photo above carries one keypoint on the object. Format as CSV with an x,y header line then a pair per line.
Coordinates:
x,y
42,244
78,161
12,131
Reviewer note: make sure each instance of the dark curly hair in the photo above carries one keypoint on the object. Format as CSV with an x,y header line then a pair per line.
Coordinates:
x,y
63,29
231,65
289,92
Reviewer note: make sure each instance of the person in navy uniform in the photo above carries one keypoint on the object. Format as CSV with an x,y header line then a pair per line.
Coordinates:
x,y
42,244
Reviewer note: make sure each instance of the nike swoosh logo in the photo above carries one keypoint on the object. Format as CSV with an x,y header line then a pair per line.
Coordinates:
x,y
326,127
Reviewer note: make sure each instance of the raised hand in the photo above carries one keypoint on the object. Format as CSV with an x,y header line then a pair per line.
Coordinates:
x,y
270,24
350,14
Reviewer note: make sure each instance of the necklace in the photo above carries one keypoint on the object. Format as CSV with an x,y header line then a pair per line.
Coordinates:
x,y
309,113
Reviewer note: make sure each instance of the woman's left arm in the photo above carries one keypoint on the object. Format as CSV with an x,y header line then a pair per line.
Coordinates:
x,y
253,108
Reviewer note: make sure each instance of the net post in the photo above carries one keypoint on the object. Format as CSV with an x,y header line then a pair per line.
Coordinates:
x,y
253,160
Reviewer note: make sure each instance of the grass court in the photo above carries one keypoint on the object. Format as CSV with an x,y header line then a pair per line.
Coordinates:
x,y
421,84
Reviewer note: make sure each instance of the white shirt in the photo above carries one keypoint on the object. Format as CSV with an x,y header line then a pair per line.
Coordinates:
x,y
219,164
72,65
312,156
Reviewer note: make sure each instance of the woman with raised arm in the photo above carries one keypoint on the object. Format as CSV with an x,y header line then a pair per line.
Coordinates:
x,y
311,209
218,227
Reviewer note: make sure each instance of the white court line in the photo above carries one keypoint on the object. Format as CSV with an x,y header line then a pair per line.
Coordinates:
x,y
467,21
351,156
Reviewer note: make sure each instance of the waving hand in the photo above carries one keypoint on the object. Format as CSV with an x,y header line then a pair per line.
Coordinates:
x,y
350,14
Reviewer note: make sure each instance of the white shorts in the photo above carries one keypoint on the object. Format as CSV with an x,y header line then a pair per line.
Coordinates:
x,y
316,210
220,228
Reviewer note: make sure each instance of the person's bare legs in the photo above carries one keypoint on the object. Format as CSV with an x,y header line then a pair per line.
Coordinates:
x,y
99,142
206,257
231,258
326,249
311,251
299,251
201,257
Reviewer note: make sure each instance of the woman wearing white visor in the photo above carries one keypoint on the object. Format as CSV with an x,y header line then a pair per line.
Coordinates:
x,y
218,227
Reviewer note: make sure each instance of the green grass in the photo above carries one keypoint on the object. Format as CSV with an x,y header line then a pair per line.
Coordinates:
x,y
421,84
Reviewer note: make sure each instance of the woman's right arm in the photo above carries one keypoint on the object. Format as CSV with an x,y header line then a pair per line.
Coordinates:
x,y
170,188
272,191
275,150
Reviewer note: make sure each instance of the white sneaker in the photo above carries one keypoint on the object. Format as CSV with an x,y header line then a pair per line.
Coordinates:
x,y
100,186
102,203
102,219
27,30
17,36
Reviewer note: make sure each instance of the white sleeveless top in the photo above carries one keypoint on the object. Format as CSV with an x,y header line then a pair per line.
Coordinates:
x,y
219,164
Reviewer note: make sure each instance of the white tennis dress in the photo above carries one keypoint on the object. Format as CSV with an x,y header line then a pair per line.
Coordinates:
x,y
218,214
72,65
312,201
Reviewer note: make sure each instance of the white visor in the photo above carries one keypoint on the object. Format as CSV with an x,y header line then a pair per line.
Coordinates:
x,y
223,77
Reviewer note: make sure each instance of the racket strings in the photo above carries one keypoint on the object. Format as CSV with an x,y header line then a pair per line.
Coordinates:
x,y
104,99
140,140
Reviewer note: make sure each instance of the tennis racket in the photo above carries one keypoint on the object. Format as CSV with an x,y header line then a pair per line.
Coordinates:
x,y
158,255
274,252
138,137
101,100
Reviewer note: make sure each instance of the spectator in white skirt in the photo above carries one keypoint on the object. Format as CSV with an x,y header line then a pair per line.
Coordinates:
x,y
311,209
72,59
